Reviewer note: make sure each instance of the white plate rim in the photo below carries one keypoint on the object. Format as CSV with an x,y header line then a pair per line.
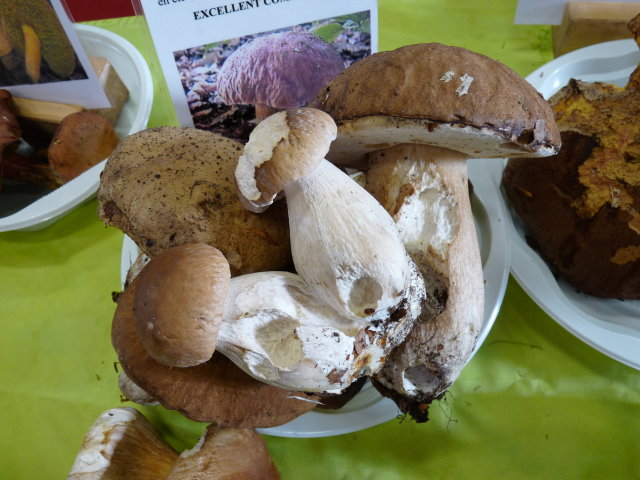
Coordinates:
x,y
376,409
529,269
54,205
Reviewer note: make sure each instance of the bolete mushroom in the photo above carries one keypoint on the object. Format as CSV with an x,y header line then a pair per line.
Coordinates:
x,y
272,327
214,391
452,104
179,310
82,140
122,443
278,70
34,30
171,186
226,453
343,243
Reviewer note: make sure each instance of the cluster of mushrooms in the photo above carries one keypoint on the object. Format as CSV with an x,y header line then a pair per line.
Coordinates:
x,y
270,280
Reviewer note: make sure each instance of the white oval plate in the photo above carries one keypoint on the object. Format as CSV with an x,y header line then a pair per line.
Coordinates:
x,y
368,408
42,210
608,325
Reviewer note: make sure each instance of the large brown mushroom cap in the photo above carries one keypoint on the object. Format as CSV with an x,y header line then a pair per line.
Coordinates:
x,y
281,70
215,391
171,186
179,304
445,96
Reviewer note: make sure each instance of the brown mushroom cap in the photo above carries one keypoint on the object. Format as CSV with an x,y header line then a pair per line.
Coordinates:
x,y
82,140
179,304
283,148
40,16
440,95
215,391
171,186
225,454
281,70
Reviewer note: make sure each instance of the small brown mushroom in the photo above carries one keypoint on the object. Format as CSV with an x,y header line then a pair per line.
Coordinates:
x,y
277,71
179,304
214,391
225,454
82,140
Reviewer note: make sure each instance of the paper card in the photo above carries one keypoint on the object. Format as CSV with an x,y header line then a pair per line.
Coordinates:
x,y
43,58
215,54
543,12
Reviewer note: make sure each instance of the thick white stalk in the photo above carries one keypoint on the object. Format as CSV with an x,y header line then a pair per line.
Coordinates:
x,y
426,190
345,245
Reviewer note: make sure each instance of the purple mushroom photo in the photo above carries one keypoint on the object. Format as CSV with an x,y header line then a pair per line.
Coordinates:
x,y
231,85
278,71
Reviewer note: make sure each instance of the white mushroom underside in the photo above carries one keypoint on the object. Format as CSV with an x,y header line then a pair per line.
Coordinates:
x,y
363,135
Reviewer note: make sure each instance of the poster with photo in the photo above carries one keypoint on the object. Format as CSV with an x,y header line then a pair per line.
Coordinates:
x,y
237,63
42,58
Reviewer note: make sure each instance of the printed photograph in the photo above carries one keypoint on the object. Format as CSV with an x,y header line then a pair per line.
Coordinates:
x,y
232,84
34,47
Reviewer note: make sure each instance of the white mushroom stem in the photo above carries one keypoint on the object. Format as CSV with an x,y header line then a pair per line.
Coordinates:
x,y
122,443
343,242
345,245
278,331
426,190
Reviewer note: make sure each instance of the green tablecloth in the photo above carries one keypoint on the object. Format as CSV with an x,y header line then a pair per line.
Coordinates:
x,y
535,402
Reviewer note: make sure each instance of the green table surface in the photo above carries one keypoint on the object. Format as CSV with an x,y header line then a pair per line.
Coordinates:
x,y
534,403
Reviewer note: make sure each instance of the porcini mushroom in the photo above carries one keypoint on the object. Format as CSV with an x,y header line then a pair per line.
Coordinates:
x,y
171,186
453,104
277,71
179,310
214,391
226,453
343,243
273,327
82,140
122,443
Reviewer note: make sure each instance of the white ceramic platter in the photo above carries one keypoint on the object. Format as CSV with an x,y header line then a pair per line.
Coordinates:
x,y
368,408
27,208
609,325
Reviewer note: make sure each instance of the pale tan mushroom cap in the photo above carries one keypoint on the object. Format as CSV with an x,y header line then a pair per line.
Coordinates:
x,y
170,186
179,304
440,95
284,147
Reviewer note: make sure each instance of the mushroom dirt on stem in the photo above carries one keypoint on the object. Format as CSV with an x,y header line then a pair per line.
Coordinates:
x,y
467,105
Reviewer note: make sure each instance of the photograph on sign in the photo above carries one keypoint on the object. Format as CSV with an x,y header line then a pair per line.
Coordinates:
x,y
230,84
41,56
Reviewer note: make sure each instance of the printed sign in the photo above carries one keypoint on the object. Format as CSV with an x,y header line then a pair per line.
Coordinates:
x,y
227,64
42,58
